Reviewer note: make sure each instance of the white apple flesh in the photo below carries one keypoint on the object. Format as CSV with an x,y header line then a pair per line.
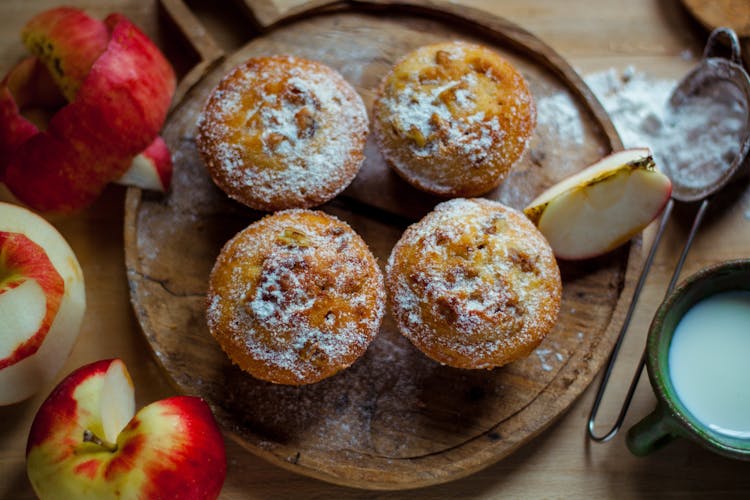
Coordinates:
x,y
42,302
22,310
601,207
151,169
85,442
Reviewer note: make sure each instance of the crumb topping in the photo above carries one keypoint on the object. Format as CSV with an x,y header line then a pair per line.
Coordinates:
x,y
476,278
284,130
453,114
299,292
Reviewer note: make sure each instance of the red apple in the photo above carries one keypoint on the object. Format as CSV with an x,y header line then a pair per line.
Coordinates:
x,y
42,301
86,443
67,42
119,93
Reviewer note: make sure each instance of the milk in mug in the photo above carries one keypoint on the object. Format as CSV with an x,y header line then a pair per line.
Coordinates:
x,y
709,362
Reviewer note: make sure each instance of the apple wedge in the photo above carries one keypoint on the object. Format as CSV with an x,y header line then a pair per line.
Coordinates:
x,y
603,206
42,301
86,441
151,169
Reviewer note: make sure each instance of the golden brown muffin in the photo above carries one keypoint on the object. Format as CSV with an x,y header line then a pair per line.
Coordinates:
x,y
282,132
453,118
474,284
295,297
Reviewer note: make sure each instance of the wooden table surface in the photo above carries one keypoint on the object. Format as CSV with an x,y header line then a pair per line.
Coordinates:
x,y
654,36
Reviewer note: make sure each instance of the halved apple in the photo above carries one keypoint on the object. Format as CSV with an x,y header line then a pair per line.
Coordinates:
x,y
42,301
87,441
603,206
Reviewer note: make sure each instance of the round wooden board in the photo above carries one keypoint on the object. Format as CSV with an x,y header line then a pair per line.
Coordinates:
x,y
395,419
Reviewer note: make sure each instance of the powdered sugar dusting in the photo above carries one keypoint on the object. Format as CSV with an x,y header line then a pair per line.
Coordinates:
x,y
558,112
426,115
297,296
281,132
695,142
479,270
450,116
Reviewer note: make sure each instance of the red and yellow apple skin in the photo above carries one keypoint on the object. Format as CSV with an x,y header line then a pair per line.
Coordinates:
x,y
119,95
42,302
152,169
169,449
20,260
603,206
68,42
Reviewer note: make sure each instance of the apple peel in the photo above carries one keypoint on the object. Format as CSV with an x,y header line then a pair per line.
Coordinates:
x,y
68,42
115,113
29,284
169,449
603,206
35,258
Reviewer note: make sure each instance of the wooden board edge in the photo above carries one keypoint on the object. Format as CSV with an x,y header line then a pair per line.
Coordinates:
x,y
134,275
521,40
208,50
265,13
570,392
495,26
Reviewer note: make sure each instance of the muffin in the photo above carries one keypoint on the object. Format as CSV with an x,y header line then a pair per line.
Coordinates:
x,y
474,284
282,132
295,297
453,118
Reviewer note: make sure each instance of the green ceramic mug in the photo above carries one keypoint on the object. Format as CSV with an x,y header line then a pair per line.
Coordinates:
x,y
671,419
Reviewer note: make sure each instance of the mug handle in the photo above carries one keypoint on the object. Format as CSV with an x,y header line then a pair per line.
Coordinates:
x,y
651,433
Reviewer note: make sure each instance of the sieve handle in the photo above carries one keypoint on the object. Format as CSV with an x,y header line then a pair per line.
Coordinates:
x,y
714,41
601,438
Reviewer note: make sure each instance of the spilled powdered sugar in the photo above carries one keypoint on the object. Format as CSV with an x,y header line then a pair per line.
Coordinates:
x,y
694,143
558,112
543,353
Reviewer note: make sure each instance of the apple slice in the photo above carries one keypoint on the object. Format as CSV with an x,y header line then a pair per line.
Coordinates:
x,y
42,301
152,169
83,442
117,405
603,206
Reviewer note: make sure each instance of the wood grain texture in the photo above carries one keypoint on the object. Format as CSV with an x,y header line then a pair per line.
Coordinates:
x,y
734,14
208,51
395,419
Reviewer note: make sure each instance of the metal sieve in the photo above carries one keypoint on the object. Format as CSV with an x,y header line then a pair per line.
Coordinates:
x,y
715,77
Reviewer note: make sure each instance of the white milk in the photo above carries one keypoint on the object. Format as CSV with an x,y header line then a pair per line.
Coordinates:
x,y
709,362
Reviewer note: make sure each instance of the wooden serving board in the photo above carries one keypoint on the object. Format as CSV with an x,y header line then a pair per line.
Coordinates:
x,y
395,419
